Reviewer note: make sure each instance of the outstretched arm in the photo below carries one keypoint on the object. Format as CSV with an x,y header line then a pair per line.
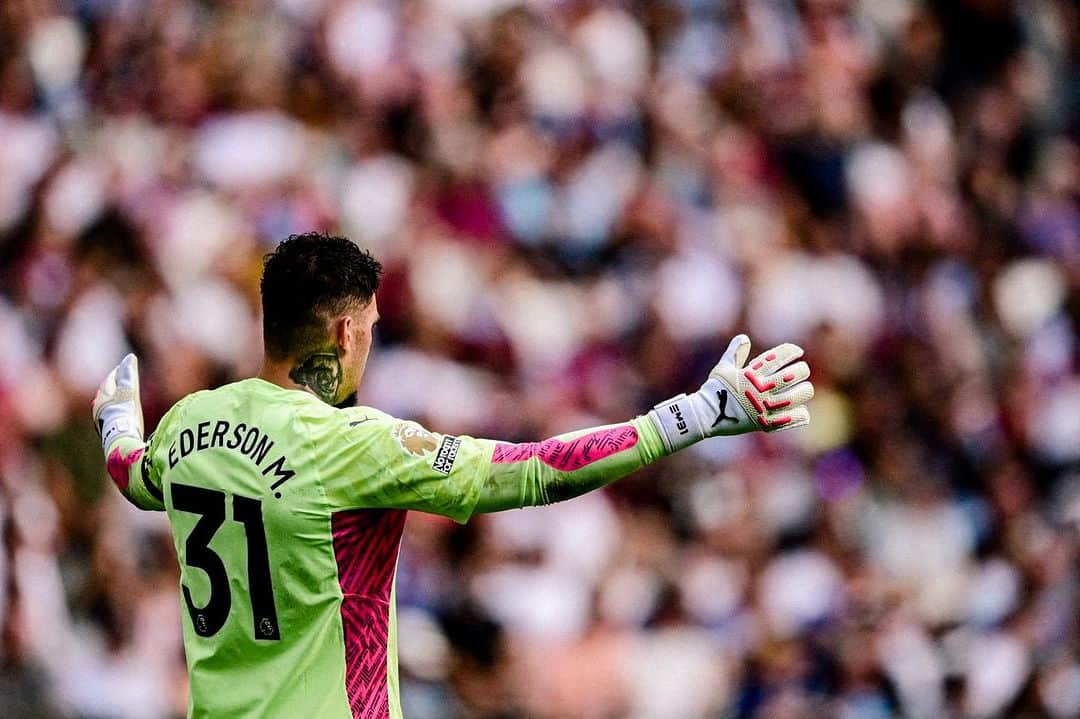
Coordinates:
x,y
767,395
119,421
373,460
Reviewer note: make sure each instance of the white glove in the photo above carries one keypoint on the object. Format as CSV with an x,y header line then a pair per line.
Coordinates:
x,y
117,412
768,395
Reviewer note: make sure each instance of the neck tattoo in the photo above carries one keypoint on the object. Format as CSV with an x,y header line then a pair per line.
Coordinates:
x,y
319,372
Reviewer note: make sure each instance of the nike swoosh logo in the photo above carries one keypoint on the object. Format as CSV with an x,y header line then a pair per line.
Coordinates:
x,y
360,421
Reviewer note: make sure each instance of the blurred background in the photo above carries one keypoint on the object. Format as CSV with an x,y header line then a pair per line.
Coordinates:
x,y
577,203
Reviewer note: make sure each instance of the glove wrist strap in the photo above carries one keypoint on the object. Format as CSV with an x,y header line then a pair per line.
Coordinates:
x,y
678,422
116,422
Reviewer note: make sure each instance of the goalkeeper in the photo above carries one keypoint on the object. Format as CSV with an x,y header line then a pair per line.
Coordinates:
x,y
287,503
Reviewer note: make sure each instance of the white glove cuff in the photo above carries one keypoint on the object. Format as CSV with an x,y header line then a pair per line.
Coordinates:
x,y
118,420
679,421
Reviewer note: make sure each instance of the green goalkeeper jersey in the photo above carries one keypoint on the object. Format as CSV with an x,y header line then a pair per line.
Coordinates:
x,y
287,515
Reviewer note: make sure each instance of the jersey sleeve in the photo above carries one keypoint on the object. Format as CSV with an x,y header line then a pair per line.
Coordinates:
x,y
128,464
372,460
568,465
136,466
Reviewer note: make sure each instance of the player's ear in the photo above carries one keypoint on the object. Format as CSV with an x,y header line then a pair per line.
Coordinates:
x,y
343,333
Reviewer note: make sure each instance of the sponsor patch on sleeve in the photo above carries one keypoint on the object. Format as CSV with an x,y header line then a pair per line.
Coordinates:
x,y
444,458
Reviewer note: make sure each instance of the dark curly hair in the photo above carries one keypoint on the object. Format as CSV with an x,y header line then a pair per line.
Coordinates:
x,y
306,280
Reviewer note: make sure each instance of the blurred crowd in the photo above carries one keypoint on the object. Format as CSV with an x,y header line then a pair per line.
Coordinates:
x,y
578,202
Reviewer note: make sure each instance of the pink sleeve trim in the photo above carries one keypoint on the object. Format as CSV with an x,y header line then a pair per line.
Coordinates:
x,y
567,456
118,465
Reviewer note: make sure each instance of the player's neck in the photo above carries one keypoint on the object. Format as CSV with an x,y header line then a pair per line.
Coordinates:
x,y
284,373
277,372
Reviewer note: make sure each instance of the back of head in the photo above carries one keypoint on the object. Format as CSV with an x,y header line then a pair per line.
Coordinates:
x,y
308,280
